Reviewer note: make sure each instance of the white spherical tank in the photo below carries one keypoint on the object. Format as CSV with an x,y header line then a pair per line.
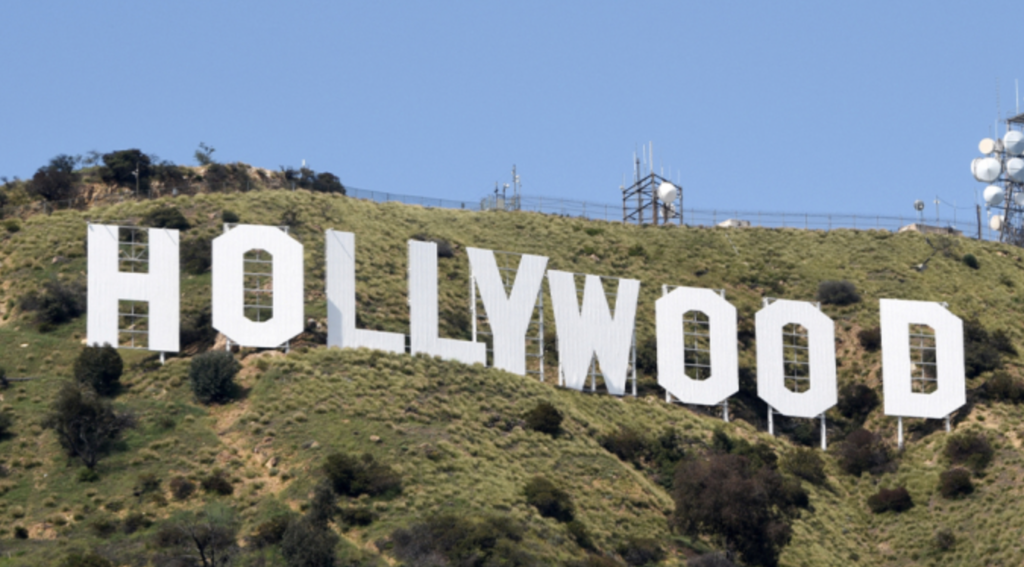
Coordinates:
x,y
996,223
667,192
987,146
1013,141
993,195
986,170
1015,168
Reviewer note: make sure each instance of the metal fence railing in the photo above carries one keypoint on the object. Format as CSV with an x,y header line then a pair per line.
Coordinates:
x,y
592,211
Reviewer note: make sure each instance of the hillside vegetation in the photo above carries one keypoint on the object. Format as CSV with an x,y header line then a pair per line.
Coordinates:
x,y
456,436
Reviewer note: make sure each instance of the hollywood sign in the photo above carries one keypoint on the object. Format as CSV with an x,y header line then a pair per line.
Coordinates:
x,y
585,330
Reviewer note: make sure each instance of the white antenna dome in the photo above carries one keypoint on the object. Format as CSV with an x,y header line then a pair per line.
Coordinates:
x,y
993,195
1015,168
1019,199
919,205
987,169
667,192
987,146
995,223
1013,141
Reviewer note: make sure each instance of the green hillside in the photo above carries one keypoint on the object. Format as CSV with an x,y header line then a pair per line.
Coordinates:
x,y
455,433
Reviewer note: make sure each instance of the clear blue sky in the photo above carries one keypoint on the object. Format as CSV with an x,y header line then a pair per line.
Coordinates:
x,y
796,106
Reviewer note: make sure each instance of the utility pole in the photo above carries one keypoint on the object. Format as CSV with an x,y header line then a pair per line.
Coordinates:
x,y
979,221
136,174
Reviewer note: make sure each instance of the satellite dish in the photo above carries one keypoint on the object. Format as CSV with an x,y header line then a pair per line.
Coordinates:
x,y
667,192
1013,141
987,169
919,205
987,146
996,223
993,195
1015,168
1019,199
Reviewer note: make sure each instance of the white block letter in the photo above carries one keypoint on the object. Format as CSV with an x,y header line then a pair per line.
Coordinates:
x,y
771,371
159,287
900,400
582,333
724,380
508,314
423,310
341,300
228,287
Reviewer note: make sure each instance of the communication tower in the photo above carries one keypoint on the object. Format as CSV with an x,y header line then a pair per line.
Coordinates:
x,y
651,198
1003,169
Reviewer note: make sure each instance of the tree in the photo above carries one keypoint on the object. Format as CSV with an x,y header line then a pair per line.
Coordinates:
x,y
209,536
85,423
100,367
749,509
204,155
213,376
56,180
310,541
120,167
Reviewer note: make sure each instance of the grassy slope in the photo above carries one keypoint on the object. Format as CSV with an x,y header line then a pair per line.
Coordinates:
x,y
431,416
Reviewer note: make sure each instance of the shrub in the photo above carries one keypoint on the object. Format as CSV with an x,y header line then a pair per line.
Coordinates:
x,y
838,293
91,559
896,500
134,522
181,487
197,328
100,367
217,482
166,217
549,500
805,463
856,401
451,539
59,302
714,559
870,339
971,261
104,527
749,509
595,561
213,376
579,533
196,255
444,248
970,449
544,418
640,551
357,516
983,351
863,451
271,532
627,444
88,475
945,540
228,216
352,477
119,169
148,482
20,532
55,181
955,482
84,423
12,225
305,544
1003,387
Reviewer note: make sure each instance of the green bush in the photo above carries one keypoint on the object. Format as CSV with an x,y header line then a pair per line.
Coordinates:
x,y
218,483
353,477
544,418
581,535
55,181
945,540
870,339
856,401
971,449
955,483
100,367
863,451
12,225
272,531
166,217
451,539
838,293
119,169
91,559
181,488
6,421
971,262
85,474
134,522
85,423
805,463
305,544
713,559
896,500
1005,388
983,351
627,444
639,551
228,216
212,375
59,302
20,532
549,500
357,516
